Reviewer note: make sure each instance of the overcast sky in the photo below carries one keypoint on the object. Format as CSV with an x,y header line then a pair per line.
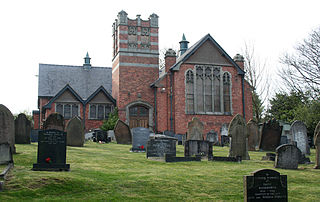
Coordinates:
x,y
62,31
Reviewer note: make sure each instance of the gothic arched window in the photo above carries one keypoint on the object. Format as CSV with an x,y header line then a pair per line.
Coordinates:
x,y
208,90
189,92
226,92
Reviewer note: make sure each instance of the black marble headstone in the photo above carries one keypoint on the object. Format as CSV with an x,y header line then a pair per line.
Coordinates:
x,y
52,148
140,137
265,185
159,146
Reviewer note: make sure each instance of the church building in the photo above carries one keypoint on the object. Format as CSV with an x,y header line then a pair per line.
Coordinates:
x,y
200,81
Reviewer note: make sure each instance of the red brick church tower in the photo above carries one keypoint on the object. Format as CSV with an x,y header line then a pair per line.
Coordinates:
x,y
135,66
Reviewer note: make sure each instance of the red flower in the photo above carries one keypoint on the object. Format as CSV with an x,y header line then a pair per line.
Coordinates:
x,y
48,160
141,147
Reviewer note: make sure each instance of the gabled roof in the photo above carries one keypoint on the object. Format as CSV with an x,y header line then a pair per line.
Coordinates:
x,y
84,81
67,87
103,90
196,46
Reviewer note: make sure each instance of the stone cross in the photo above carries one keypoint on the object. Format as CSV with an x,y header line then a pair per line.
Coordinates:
x,y
238,133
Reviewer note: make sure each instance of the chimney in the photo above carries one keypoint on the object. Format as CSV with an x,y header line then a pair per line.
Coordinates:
x,y
183,45
170,59
239,59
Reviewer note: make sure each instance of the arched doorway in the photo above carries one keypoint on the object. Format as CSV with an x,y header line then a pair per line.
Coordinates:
x,y
138,116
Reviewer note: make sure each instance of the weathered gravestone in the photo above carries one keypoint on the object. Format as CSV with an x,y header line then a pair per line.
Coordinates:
x,y
316,139
212,137
5,154
168,133
159,145
225,140
140,137
198,148
265,185
253,135
75,132
7,127
299,134
238,133
22,129
287,157
283,140
122,133
52,148
270,136
179,138
111,135
54,121
195,129
100,136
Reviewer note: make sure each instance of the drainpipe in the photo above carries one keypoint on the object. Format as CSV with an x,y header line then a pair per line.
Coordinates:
x,y
243,103
155,111
171,117
84,115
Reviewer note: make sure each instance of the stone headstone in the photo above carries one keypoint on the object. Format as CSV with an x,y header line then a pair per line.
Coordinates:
x,y
253,135
52,149
159,145
168,133
179,138
283,140
122,133
239,134
34,135
224,129
270,136
195,129
5,154
75,132
225,140
299,134
7,127
265,185
198,148
316,139
54,121
140,137
101,136
111,135
287,157
212,137
22,129
269,157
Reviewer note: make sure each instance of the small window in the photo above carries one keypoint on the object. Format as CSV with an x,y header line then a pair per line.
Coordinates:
x,y
59,109
67,111
92,111
75,110
100,111
107,111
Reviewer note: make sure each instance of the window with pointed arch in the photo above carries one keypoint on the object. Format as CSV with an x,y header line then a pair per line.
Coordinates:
x,y
208,90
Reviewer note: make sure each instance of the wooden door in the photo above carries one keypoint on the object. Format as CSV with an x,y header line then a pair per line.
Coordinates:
x,y
139,116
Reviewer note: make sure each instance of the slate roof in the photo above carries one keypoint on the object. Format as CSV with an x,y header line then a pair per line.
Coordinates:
x,y
53,78
195,47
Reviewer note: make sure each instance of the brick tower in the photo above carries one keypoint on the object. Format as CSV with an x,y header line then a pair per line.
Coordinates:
x,y
135,66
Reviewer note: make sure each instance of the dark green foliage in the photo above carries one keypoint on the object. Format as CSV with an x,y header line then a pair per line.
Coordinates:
x,y
257,107
111,122
295,106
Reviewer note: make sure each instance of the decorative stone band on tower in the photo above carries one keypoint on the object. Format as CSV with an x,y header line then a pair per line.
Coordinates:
x,y
135,63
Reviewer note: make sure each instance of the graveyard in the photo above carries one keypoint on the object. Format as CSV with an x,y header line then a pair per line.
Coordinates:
x,y
111,172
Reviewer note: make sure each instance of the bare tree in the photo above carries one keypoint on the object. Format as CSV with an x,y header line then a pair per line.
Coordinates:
x,y
258,78
301,72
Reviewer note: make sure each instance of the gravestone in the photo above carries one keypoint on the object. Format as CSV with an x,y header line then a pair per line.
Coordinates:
x,y
7,127
140,137
111,135
283,140
225,140
5,154
22,129
265,185
52,149
298,132
100,136
270,136
269,157
198,148
253,135
179,137
316,139
287,157
212,137
195,129
34,135
238,133
54,121
122,133
159,145
168,133
75,132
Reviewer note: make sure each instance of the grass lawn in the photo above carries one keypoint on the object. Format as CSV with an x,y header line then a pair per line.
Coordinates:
x,y
109,172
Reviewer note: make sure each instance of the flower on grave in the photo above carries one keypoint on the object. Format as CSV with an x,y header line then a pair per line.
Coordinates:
x,y
48,160
141,147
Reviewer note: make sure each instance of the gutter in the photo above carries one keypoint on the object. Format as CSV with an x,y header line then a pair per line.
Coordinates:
x,y
171,117
155,111
243,101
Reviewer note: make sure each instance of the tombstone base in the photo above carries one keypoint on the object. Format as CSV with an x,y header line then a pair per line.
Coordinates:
x,y
222,158
137,150
50,167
